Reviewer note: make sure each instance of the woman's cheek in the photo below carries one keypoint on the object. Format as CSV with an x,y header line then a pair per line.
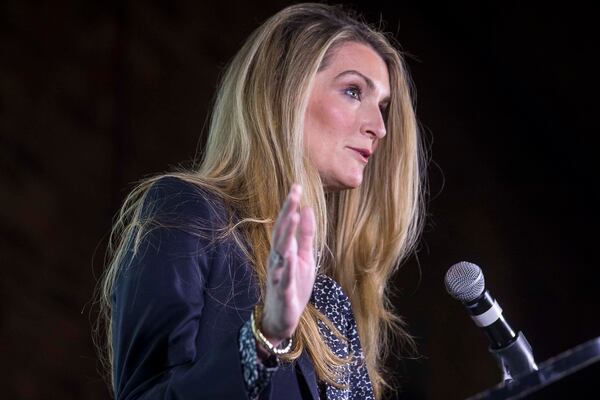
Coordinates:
x,y
339,118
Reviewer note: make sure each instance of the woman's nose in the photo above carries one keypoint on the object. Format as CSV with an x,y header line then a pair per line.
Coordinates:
x,y
374,124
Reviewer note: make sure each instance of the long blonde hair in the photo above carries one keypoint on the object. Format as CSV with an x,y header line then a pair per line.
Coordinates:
x,y
255,151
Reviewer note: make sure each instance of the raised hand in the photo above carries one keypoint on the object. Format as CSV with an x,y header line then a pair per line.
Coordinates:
x,y
291,269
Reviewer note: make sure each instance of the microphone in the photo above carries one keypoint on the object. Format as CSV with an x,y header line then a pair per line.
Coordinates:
x,y
465,282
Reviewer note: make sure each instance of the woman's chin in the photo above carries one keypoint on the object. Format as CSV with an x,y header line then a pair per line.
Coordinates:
x,y
344,183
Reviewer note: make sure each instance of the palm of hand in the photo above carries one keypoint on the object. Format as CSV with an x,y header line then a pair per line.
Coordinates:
x,y
290,278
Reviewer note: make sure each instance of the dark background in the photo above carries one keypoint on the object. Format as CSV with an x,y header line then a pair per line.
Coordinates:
x,y
95,95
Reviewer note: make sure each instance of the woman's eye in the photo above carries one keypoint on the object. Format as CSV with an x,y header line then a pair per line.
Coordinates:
x,y
353,92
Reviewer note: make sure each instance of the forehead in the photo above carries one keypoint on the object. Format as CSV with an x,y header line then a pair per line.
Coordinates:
x,y
359,57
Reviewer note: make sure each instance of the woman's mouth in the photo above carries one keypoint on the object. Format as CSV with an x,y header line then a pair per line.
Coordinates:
x,y
363,154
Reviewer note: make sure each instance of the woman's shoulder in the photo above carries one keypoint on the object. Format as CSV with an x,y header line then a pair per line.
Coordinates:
x,y
173,200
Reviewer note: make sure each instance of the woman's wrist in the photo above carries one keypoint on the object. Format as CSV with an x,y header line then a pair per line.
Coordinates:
x,y
263,326
263,353
268,344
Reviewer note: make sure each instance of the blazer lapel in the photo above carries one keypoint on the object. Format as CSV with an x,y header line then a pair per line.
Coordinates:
x,y
308,373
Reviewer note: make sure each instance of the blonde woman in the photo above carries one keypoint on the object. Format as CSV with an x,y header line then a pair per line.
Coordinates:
x,y
263,273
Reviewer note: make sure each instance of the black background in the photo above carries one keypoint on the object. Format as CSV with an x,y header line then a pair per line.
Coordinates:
x,y
95,95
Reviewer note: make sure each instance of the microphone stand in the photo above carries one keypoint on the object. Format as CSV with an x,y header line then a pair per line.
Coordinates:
x,y
516,359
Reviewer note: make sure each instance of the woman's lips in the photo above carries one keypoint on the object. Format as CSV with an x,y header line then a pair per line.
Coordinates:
x,y
363,155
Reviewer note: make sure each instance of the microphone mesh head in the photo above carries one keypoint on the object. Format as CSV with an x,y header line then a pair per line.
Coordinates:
x,y
464,281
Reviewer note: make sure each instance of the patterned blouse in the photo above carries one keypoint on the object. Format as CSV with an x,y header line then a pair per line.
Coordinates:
x,y
329,298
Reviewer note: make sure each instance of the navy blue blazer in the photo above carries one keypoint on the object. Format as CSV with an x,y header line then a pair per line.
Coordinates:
x,y
179,303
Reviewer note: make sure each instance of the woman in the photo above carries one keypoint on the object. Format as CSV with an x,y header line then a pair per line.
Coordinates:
x,y
263,273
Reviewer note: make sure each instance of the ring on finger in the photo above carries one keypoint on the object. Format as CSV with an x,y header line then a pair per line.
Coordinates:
x,y
275,258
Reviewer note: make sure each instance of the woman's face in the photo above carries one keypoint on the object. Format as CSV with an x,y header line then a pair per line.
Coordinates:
x,y
344,122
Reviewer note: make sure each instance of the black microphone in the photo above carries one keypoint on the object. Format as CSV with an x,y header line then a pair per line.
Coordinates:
x,y
465,282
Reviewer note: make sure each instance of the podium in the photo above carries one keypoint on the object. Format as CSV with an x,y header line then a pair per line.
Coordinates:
x,y
568,375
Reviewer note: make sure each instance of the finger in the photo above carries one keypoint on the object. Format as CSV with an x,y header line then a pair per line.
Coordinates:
x,y
288,275
288,226
288,249
275,269
286,246
306,234
289,207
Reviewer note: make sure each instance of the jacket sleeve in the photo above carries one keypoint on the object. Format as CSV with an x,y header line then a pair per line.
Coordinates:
x,y
158,300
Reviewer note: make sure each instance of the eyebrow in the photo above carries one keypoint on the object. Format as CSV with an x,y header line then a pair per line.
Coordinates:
x,y
367,80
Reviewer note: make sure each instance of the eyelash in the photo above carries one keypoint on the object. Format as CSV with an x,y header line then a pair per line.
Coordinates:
x,y
358,96
354,89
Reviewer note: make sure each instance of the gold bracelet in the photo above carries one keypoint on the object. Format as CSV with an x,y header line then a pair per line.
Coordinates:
x,y
277,351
